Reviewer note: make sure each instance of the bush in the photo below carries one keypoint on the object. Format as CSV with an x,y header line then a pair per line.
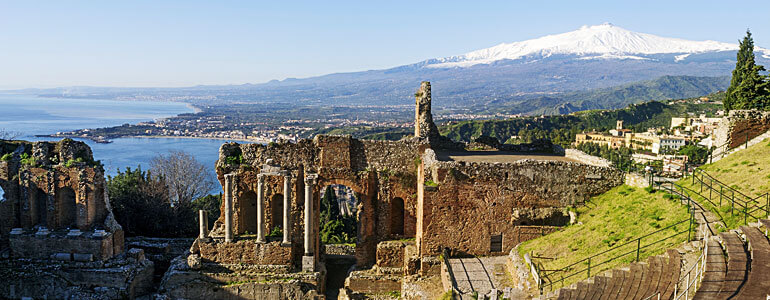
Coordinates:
x,y
141,204
6,157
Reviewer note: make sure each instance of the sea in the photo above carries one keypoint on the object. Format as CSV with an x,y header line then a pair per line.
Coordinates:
x,y
32,115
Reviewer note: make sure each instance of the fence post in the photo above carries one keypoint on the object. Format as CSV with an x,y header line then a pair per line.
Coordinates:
x,y
638,244
732,201
589,267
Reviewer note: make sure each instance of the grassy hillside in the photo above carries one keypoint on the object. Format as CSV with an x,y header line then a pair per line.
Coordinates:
x,y
746,170
561,129
619,216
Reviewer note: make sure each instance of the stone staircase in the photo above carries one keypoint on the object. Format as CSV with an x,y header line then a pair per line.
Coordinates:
x,y
738,265
658,275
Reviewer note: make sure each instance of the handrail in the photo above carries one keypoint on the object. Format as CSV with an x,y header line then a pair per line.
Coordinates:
x,y
747,206
571,271
700,270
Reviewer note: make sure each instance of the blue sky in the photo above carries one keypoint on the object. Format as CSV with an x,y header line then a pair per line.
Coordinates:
x,y
183,43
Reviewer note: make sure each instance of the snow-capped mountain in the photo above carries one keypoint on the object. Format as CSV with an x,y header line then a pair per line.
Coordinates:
x,y
546,74
605,41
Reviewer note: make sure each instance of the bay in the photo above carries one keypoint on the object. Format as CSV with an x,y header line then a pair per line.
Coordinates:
x,y
31,115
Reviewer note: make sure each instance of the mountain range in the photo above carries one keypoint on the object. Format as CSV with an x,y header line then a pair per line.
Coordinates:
x,y
542,75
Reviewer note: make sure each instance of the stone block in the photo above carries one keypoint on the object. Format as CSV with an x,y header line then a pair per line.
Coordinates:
x,y
74,233
194,261
390,254
83,257
430,265
62,256
308,263
136,253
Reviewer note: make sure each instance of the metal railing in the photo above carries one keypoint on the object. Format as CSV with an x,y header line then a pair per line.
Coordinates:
x,y
694,275
751,207
599,262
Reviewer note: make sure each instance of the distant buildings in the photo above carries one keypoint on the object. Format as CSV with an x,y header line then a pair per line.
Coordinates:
x,y
620,137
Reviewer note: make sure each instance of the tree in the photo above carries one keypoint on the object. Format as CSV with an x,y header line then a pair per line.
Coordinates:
x,y
186,178
695,154
748,89
209,203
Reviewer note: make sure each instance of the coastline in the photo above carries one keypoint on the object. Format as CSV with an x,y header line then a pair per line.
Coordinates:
x,y
97,139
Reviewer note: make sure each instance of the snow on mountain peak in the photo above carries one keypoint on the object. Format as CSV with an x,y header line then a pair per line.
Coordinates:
x,y
596,41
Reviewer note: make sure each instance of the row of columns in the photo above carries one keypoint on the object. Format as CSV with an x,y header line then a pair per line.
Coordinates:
x,y
310,181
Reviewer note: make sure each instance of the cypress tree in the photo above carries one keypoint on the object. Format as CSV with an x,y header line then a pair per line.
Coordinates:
x,y
748,88
745,57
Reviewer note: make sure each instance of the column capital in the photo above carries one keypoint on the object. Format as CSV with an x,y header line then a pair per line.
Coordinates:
x,y
311,178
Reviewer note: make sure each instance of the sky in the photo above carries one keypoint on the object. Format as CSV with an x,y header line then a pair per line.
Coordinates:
x,y
186,43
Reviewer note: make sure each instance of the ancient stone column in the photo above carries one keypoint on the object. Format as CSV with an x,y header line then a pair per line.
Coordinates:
x,y
286,207
228,208
309,181
260,212
203,221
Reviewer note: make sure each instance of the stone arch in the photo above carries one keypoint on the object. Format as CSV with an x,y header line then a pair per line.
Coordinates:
x,y
3,197
247,212
276,212
397,216
66,208
40,213
366,244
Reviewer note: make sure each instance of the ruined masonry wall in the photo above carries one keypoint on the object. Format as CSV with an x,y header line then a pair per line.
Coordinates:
x,y
738,125
473,201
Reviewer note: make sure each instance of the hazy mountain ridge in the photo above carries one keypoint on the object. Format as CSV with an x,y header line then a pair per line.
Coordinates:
x,y
478,86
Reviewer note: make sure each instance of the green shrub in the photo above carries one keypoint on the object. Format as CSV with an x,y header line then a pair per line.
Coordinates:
x,y
6,157
431,183
276,232
27,160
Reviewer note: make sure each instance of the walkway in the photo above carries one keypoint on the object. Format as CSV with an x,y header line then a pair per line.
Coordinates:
x,y
481,275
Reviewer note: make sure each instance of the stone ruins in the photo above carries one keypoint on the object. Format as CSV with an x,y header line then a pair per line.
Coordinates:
x,y
416,200
58,235
418,197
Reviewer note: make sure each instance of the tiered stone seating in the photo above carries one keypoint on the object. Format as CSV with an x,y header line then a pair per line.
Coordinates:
x,y
757,284
639,281
714,274
737,265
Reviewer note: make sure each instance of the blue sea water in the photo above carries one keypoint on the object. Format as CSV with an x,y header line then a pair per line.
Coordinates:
x,y
31,115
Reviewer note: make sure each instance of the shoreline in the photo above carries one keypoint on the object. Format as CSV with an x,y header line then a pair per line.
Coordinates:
x,y
97,139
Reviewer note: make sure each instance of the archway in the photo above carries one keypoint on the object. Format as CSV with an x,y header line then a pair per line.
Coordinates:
x,y
66,208
339,226
2,195
397,216
276,212
247,212
338,205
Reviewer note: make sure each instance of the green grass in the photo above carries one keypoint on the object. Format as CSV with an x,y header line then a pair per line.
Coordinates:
x,y
747,170
618,216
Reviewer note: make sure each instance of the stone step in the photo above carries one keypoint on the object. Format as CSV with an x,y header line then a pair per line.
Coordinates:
x,y
737,264
757,282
